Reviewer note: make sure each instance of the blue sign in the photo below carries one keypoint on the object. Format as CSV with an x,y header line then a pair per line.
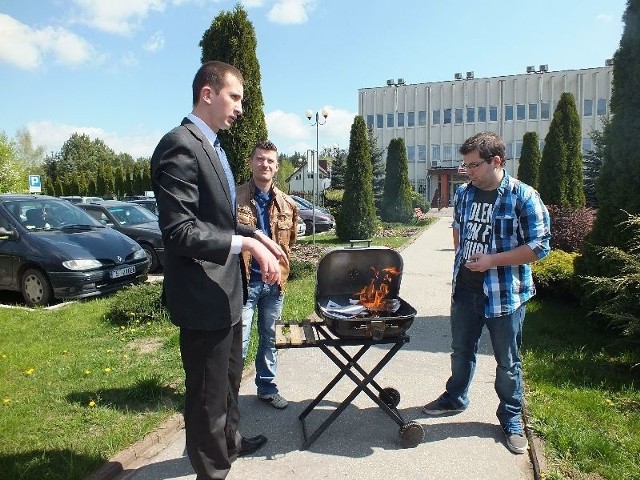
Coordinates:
x,y
35,184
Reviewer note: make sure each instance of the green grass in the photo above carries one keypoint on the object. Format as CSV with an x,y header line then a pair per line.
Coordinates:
x,y
582,393
76,390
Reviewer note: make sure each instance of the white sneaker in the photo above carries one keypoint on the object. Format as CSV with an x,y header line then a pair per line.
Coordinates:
x,y
275,399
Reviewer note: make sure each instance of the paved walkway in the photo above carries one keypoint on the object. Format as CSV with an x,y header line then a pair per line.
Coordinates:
x,y
362,443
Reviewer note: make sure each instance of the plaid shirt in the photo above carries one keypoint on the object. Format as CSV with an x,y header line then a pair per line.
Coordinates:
x,y
519,218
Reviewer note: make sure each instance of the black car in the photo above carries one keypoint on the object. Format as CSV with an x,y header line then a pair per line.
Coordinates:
x,y
148,203
51,249
134,221
307,211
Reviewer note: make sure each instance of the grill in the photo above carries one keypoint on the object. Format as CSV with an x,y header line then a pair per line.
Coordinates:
x,y
357,293
357,305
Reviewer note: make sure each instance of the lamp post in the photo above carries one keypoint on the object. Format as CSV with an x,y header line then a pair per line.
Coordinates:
x,y
325,113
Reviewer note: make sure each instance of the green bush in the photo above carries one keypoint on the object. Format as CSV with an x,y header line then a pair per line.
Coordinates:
x,y
301,268
553,275
137,303
418,201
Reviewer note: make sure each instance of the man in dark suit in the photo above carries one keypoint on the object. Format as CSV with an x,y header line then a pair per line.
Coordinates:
x,y
204,282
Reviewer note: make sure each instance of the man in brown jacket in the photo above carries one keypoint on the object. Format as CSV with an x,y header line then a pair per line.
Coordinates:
x,y
274,213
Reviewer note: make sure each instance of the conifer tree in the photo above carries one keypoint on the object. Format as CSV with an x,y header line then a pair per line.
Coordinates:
x,y
561,175
378,165
396,200
529,166
231,38
357,217
618,187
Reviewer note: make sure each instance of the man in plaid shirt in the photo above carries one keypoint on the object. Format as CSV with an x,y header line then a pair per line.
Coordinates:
x,y
500,226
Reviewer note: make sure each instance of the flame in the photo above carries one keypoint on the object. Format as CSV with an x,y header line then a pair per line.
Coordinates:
x,y
374,295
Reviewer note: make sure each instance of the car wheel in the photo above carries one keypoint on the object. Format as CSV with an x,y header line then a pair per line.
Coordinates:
x,y
152,256
309,226
36,288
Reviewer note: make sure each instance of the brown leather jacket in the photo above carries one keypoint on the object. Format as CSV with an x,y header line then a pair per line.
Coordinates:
x,y
283,218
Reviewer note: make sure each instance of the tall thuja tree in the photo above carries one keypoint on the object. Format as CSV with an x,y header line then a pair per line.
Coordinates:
x,y
618,188
529,166
396,200
378,166
357,217
231,38
593,163
561,177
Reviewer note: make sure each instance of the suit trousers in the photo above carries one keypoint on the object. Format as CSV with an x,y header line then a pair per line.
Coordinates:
x,y
212,361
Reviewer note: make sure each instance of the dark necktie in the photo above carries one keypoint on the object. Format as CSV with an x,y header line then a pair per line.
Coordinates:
x,y
227,170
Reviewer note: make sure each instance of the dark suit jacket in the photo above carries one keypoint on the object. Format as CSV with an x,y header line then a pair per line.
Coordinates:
x,y
204,286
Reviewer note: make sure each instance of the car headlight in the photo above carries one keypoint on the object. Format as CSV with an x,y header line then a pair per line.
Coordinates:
x,y
139,254
81,264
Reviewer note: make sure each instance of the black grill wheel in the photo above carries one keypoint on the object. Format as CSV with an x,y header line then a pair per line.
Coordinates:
x,y
390,397
411,434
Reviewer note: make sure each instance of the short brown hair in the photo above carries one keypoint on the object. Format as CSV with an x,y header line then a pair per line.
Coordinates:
x,y
264,145
487,144
213,73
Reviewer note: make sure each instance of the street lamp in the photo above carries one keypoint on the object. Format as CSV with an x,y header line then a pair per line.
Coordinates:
x,y
325,113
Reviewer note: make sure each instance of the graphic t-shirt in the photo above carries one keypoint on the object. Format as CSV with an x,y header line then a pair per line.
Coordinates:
x,y
476,236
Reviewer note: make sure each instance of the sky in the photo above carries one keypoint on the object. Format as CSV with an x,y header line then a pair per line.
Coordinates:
x,y
121,70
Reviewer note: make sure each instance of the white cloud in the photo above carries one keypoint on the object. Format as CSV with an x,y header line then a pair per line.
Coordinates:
x,y
252,3
52,136
604,18
129,59
26,48
292,132
116,16
155,42
291,11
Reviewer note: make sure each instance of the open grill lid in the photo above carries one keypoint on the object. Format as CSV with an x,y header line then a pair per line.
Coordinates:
x,y
345,271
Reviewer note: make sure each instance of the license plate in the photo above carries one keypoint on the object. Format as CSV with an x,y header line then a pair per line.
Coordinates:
x,y
122,272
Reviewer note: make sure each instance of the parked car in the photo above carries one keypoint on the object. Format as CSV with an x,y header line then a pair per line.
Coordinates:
x,y
80,199
134,221
323,219
148,203
51,249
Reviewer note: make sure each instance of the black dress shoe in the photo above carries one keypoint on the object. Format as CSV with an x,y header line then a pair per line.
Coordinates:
x,y
250,445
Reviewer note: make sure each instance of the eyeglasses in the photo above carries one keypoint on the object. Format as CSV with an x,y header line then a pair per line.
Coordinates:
x,y
474,165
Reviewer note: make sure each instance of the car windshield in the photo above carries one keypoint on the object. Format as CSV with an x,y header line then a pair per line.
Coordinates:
x,y
132,214
302,203
48,214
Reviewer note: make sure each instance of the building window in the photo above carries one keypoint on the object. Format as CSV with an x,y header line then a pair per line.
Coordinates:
x,y
379,120
509,153
411,153
446,152
458,113
447,115
508,112
471,114
541,145
401,119
436,117
544,110
435,152
533,111
422,118
493,113
369,120
456,152
411,119
518,148
587,145
588,107
422,153
602,106
390,119
520,112
482,114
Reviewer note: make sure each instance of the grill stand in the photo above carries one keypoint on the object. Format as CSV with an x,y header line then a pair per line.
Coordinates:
x,y
315,334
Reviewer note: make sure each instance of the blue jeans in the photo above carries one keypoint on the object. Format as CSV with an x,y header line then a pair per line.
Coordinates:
x,y
467,321
268,300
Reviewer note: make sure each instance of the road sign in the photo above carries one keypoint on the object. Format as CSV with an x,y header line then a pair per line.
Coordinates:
x,y
35,185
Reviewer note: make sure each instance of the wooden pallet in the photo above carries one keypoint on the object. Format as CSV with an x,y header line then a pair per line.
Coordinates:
x,y
297,334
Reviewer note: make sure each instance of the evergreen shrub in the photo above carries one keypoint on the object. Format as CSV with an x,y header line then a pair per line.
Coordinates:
x,y
570,226
554,274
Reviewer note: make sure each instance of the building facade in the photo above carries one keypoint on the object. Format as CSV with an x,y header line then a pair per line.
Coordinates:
x,y
435,118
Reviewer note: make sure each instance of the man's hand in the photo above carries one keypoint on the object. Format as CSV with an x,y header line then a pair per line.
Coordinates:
x,y
269,264
272,246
